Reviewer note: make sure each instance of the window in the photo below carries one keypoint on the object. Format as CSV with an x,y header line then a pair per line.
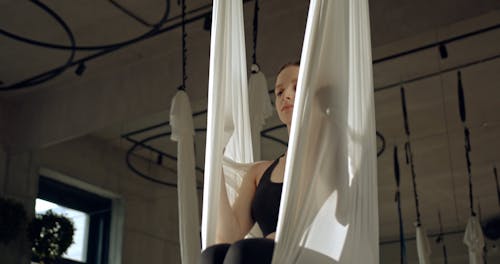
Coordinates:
x,y
90,213
78,250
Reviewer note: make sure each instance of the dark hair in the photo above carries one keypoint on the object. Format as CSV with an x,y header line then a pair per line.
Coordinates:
x,y
288,64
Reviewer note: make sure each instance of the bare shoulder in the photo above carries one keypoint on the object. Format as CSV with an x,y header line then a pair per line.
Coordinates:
x,y
257,170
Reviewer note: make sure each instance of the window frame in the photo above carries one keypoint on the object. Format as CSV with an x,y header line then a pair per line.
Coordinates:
x,y
105,211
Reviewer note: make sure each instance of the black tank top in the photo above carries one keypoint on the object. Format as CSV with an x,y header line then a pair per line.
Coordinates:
x,y
266,202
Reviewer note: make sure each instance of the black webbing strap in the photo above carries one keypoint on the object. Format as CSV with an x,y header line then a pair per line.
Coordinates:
x,y
184,48
497,185
402,241
409,155
467,145
440,239
255,30
461,97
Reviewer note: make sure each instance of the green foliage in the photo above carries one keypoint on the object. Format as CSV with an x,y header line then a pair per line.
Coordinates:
x,y
12,220
51,235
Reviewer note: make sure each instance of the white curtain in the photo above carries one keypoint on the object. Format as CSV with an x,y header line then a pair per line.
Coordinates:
x,y
329,202
474,240
181,121
228,123
329,209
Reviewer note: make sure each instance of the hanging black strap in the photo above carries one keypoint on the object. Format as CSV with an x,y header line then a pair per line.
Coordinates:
x,y
461,97
497,185
409,156
402,241
445,254
467,145
440,239
255,30
405,113
396,167
184,48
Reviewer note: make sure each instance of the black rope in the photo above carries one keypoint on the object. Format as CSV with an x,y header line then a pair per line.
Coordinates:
x,y
461,97
409,155
255,30
440,239
402,241
382,140
405,113
467,145
184,48
497,185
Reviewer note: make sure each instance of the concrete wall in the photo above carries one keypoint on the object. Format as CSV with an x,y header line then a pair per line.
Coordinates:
x,y
150,233
150,230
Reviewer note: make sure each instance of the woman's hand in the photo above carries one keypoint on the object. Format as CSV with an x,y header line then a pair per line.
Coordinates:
x,y
236,221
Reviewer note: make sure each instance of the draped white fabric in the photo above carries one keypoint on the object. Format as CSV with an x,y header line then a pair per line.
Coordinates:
x,y
228,123
474,240
181,121
328,210
423,246
260,106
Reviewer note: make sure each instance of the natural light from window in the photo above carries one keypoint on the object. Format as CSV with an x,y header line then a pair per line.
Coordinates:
x,y
78,250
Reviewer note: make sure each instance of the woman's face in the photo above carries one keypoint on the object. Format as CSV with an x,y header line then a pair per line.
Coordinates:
x,y
286,83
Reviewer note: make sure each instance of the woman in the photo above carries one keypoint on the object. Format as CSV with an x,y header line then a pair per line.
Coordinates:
x,y
259,195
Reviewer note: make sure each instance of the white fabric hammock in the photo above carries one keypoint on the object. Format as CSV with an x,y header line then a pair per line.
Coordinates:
x,y
474,240
181,121
228,122
330,190
328,212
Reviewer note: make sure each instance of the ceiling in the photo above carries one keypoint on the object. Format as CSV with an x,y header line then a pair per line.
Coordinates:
x,y
436,131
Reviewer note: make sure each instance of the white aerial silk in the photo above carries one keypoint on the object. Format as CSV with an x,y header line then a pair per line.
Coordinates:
x,y
228,122
260,106
181,121
423,246
329,209
474,240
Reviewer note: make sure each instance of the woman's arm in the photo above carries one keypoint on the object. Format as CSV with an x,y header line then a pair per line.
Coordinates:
x,y
234,223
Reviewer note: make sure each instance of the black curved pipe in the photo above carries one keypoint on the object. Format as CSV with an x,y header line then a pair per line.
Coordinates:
x,y
47,76
73,47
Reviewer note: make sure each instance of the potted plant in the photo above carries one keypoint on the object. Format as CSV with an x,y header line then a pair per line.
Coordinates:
x,y
51,235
